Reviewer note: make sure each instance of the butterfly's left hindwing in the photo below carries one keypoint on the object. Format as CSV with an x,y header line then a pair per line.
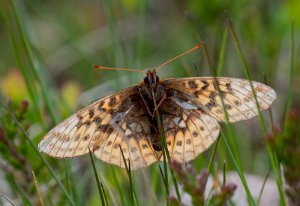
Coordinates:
x,y
110,124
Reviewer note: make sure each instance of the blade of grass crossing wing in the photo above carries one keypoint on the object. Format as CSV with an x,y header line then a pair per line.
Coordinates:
x,y
167,154
165,158
233,153
228,124
272,155
100,188
213,155
128,170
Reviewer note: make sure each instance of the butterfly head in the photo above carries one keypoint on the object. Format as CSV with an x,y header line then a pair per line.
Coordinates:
x,y
151,77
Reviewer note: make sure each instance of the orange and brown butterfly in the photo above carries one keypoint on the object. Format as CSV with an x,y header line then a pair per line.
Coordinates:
x,y
125,122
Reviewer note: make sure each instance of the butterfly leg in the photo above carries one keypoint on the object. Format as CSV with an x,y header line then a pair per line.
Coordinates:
x,y
160,102
145,103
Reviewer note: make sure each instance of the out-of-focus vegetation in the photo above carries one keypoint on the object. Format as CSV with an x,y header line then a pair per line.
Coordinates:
x,y
46,57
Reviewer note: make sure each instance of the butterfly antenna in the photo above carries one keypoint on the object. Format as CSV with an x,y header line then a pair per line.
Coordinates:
x,y
197,46
120,69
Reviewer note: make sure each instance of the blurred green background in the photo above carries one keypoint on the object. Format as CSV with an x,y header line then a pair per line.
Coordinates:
x,y
46,57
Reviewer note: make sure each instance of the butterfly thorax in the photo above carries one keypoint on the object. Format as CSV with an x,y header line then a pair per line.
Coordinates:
x,y
152,94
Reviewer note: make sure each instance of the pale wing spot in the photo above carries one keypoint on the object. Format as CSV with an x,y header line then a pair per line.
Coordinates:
x,y
115,148
184,105
169,132
116,156
107,147
138,128
178,148
147,151
128,132
133,126
84,141
189,150
136,157
182,124
209,128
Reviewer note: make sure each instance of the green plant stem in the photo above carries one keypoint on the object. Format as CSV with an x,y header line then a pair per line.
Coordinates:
x,y
41,157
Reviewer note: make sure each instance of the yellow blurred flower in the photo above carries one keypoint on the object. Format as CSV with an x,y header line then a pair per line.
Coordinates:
x,y
13,86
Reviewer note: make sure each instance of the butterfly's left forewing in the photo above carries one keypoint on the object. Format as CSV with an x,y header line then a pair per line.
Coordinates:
x,y
238,98
114,123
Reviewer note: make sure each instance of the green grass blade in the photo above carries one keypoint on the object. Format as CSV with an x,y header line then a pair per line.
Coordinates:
x,y
117,184
128,170
100,188
60,184
272,155
239,171
288,102
263,187
31,88
166,154
234,154
104,194
38,189
222,52
25,44
213,155
224,173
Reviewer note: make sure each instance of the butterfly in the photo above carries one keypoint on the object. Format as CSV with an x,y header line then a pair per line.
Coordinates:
x,y
125,123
